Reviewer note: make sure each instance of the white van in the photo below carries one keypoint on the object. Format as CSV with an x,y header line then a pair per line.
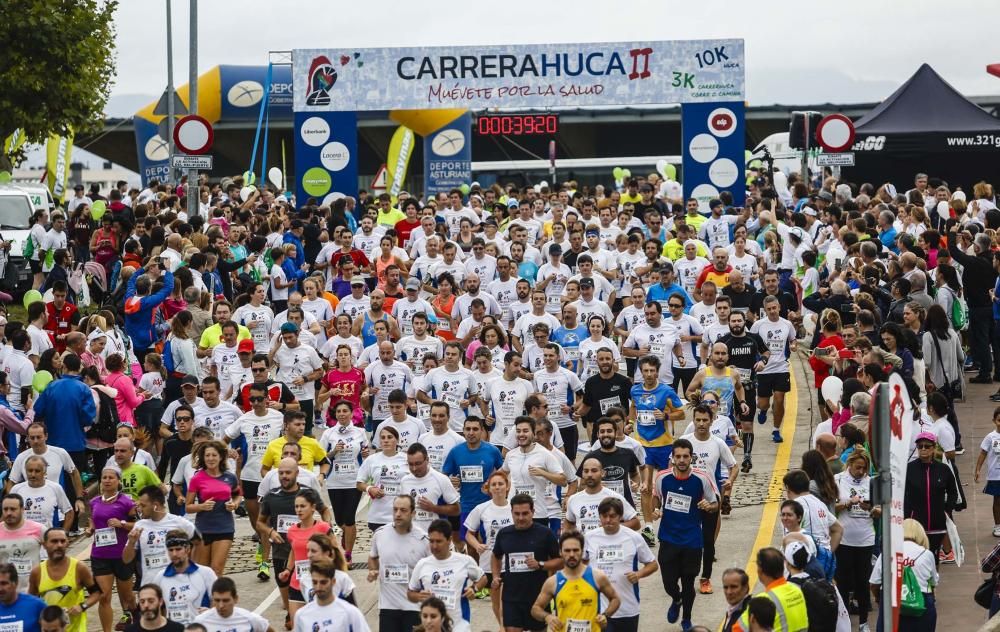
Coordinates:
x,y
41,199
16,209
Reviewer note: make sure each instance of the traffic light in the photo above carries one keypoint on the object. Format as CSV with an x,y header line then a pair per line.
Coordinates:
x,y
802,130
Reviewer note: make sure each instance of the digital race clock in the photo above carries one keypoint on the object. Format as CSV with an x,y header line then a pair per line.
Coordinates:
x,y
517,124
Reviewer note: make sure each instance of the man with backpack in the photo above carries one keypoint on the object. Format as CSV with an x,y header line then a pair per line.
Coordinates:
x,y
827,612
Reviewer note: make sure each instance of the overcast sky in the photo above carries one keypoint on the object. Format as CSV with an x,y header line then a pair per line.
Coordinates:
x,y
797,52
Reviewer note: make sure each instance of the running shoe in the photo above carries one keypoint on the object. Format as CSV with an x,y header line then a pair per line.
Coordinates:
x,y
125,621
650,537
946,558
686,625
705,587
264,572
864,627
674,612
747,465
776,437
484,593
727,506
996,531
761,416
959,449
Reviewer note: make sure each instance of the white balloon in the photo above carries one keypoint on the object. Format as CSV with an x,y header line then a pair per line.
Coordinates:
x,y
246,193
832,389
537,188
543,183
274,175
661,167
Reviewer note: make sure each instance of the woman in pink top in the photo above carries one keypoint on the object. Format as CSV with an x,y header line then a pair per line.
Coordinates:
x,y
345,382
127,399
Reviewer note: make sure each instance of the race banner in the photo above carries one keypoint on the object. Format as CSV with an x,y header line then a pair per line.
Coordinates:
x,y
901,427
398,160
58,150
14,142
544,76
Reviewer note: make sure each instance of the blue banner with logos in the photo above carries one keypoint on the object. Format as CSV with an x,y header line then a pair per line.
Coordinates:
x,y
713,137
326,156
448,157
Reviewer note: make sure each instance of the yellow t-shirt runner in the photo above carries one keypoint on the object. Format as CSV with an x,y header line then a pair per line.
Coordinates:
x,y
578,602
312,452
64,592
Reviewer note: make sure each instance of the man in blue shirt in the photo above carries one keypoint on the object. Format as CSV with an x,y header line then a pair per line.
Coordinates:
x,y
18,611
887,231
469,465
684,497
294,236
667,287
569,336
66,406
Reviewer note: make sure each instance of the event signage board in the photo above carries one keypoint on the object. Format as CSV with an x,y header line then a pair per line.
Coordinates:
x,y
202,162
448,157
713,151
842,159
534,75
326,163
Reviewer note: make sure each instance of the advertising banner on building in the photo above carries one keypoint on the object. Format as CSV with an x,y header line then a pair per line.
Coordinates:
x,y
534,75
448,157
713,151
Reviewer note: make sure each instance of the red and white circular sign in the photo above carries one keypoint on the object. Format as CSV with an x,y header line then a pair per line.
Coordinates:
x,y
722,122
193,134
835,133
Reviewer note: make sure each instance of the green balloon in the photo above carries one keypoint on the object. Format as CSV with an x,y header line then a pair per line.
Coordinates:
x,y
670,172
464,188
626,173
98,209
4,177
31,296
746,155
41,380
618,172
249,178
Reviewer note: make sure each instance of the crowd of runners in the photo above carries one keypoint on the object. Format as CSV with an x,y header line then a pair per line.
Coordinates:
x,y
534,396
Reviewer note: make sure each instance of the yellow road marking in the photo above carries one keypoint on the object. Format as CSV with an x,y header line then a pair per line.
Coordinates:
x,y
769,514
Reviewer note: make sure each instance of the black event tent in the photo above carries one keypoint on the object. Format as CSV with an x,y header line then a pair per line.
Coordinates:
x,y
926,126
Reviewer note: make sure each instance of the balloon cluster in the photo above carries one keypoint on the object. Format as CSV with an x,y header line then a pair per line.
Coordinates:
x,y
667,170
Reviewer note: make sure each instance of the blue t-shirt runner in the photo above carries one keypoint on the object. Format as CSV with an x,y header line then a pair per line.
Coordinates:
x,y
472,467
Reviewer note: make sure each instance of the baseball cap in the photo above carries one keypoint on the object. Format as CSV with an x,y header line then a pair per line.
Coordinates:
x,y
555,250
796,554
189,380
825,195
412,284
925,436
356,280
289,328
245,346
512,203
586,282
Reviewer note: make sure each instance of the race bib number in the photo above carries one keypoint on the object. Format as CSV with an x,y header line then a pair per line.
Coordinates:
x,y
349,467
607,403
572,354
518,562
443,324
528,490
446,595
616,486
610,554
105,537
302,569
258,447
471,473
646,418
283,521
745,375
390,488
996,446
857,511
554,303
22,566
450,398
657,349
418,368
578,625
178,612
396,574
677,502
155,562
424,516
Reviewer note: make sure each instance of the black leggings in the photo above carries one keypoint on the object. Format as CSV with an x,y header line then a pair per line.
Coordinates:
x,y
344,503
683,376
398,620
854,567
708,522
570,437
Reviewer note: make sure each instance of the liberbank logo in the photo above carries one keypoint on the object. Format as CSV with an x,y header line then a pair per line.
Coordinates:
x,y
633,63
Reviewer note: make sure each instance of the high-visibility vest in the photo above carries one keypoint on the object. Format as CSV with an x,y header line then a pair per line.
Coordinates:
x,y
790,605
